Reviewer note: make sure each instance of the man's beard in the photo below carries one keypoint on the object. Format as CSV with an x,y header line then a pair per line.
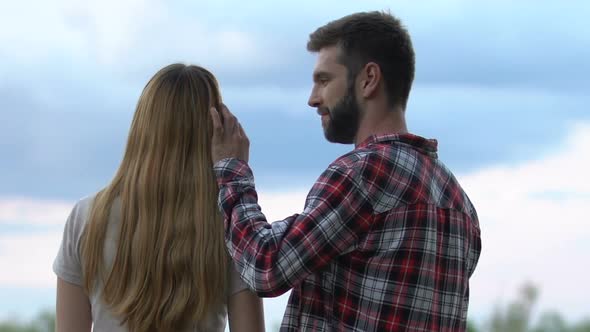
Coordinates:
x,y
344,120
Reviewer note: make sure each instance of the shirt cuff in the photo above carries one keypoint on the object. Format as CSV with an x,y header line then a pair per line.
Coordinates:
x,y
231,169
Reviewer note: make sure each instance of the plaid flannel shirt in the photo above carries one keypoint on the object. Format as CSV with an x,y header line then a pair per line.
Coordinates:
x,y
387,241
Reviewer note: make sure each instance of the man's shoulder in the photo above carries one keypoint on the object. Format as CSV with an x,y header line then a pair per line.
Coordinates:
x,y
360,164
372,155
351,159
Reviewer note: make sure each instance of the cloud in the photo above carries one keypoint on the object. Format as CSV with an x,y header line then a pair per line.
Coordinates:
x,y
534,218
33,212
27,258
139,35
63,146
457,42
502,43
27,255
502,124
264,99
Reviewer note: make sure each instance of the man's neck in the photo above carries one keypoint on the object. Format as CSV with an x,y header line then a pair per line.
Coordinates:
x,y
389,122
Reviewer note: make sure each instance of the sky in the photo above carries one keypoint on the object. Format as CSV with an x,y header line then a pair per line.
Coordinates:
x,y
502,86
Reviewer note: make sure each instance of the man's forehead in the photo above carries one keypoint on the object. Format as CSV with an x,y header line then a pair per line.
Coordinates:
x,y
328,59
329,53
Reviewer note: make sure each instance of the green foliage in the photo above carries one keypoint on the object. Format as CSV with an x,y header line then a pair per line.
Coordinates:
x,y
471,327
15,327
583,326
551,322
516,317
44,322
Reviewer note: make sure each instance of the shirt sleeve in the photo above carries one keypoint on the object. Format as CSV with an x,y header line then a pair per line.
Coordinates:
x,y
67,264
272,258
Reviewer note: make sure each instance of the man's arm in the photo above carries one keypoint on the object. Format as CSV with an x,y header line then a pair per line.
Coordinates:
x,y
272,258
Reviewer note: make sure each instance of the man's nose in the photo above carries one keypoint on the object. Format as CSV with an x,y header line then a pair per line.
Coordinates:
x,y
314,99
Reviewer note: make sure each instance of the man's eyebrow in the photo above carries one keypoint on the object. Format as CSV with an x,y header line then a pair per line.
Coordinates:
x,y
320,74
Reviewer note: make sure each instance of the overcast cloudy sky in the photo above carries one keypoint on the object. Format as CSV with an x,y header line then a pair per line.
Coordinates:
x,y
502,85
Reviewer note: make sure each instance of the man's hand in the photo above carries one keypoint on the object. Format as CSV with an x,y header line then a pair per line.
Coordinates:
x,y
229,139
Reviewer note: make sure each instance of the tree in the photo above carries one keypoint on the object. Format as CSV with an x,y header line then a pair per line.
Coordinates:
x,y
471,327
583,326
44,322
516,317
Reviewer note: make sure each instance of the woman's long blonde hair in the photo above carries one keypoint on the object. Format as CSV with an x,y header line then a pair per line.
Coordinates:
x,y
170,267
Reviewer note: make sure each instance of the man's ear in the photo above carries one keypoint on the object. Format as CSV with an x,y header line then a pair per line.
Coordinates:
x,y
370,78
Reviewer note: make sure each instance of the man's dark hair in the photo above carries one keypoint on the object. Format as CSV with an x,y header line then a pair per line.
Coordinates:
x,y
372,37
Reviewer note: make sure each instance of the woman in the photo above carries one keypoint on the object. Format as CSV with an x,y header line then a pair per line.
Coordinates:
x,y
146,253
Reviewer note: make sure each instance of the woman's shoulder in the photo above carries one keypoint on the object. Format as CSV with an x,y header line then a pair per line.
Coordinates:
x,y
80,212
84,204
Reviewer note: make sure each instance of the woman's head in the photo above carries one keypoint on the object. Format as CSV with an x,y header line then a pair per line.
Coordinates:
x,y
171,121
170,267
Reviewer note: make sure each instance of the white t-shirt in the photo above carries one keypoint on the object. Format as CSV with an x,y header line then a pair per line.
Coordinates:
x,y
67,266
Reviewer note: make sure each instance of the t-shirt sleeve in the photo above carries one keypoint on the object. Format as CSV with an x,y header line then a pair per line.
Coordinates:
x,y
236,284
67,264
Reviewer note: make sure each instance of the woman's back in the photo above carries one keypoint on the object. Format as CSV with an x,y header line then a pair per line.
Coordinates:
x,y
68,264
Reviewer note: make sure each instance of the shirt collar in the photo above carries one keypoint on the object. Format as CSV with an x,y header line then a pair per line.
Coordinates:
x,y
424,145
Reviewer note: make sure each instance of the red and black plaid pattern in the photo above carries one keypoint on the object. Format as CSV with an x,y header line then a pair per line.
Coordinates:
x,y
387,241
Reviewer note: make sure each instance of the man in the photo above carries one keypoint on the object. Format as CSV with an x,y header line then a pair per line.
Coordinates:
x,y
388,239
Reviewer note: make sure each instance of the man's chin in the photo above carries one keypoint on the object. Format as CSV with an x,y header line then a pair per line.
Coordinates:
x,y
330,137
